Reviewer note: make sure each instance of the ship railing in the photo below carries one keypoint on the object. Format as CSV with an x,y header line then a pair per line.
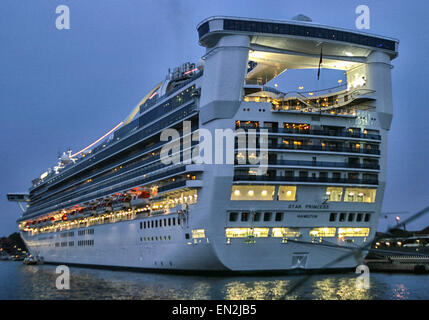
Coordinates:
x,y
338,133
306,179
335,149
328,164
77,198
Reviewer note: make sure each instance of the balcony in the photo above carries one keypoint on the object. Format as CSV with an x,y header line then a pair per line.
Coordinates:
x,y
294,179
325,164
327,133
331,148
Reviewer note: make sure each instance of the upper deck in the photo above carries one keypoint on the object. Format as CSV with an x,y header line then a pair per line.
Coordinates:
x,y
296,32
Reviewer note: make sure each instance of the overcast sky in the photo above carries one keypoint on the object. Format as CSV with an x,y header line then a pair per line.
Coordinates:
x,y
65,88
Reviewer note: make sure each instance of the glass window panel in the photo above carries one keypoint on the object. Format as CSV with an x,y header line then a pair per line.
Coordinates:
x,y
252,192
286,232
322,232
353,232
360,195
198,233
334,194
267,216
246,232
287,193
233,216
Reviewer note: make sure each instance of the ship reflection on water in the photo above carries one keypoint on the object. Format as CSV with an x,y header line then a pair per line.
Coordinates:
x,y
38,282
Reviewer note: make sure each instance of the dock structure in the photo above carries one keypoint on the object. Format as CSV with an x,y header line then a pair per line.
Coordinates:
x,y
399,263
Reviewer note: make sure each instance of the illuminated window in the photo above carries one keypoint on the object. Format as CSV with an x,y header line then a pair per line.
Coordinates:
x,y
296,126
246,232
287,193
237,232
240,157
286,232
253,192
334,194
360,195
260,232
198,233
246,124
353,232
322,232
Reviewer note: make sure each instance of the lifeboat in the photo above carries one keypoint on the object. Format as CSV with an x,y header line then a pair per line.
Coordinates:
x,y
90,209
140,199
104,206
121,202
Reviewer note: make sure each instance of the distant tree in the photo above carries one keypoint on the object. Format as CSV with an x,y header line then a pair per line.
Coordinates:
x,y
12,243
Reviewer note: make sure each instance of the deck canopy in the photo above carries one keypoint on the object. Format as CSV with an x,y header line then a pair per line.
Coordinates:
x,y
276,46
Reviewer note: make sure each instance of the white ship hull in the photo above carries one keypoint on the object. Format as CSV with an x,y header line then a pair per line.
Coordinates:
x,y
317,203
119,246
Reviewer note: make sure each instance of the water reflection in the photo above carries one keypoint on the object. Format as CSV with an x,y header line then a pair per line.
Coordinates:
x,y
400,292
38,282
340,289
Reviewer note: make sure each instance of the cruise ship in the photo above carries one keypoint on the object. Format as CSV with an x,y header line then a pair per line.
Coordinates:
x,y
304,192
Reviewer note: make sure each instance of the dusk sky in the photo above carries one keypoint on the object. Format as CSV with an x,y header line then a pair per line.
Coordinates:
x,y
63,89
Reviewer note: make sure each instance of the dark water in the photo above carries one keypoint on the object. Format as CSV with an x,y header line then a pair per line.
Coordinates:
x,y
18,281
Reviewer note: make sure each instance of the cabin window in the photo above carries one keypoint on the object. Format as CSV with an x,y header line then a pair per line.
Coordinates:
x,y
334,194
353,232
322,232
360,195
287,193
253,193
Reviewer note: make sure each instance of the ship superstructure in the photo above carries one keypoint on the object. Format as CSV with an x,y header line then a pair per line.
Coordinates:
x,y
117,203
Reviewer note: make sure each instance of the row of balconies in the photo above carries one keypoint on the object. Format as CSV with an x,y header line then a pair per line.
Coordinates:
x,y
326,132
305,179
324,164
